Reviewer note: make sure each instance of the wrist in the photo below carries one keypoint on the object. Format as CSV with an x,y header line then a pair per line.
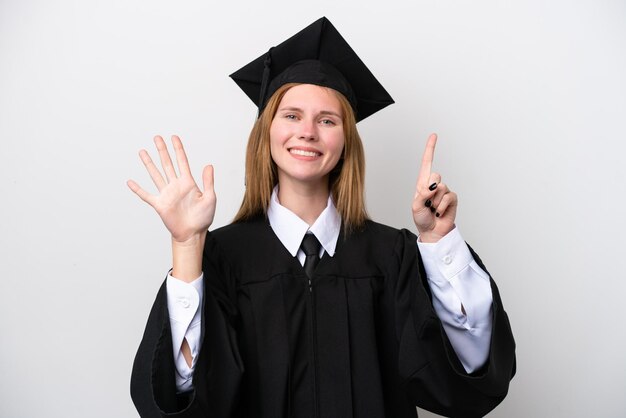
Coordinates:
x,y
429,237
187,257
433,237
192,241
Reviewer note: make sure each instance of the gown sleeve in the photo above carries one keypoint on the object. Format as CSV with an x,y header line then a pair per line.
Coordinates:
x,y
461,296
219,367
432,374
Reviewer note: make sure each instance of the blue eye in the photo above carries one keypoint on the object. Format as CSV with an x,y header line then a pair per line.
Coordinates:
x,y
290,116
327,122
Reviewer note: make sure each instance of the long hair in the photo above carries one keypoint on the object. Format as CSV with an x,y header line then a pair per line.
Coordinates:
x,y
346,180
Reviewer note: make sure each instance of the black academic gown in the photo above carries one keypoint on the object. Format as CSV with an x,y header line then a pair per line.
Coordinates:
x,y
363,341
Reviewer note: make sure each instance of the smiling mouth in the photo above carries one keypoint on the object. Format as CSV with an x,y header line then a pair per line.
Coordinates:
x,y
304,153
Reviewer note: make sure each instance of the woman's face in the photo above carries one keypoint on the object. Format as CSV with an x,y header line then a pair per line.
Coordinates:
x,y
306,135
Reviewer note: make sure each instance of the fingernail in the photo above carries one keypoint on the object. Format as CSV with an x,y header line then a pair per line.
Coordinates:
x,y
428,203
432,209
437,214
432,187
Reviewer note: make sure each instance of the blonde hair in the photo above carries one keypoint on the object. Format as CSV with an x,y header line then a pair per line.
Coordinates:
x,y
346,180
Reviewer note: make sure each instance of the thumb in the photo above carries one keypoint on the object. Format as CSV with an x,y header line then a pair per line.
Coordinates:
x,y
207,178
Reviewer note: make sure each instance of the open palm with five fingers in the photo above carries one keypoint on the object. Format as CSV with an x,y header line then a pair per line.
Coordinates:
x,y
186,211
434,204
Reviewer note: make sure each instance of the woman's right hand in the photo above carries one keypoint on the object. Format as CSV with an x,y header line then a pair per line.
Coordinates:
x,y
186,211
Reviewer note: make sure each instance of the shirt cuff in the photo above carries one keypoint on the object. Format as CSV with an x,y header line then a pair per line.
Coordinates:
x,y
445,258
183,299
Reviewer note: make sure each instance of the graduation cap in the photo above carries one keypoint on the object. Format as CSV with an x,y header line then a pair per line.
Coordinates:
x,y
319,55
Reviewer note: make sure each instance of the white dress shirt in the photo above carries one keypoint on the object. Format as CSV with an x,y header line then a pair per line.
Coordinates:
x,y
183,303
456,281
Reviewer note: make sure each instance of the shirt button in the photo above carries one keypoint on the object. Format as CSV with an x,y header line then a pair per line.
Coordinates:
x,y
184,302
447,259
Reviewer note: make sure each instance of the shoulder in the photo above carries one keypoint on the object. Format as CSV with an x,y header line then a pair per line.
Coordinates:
x,y
239,233
385,233
234,245
373,250
381,241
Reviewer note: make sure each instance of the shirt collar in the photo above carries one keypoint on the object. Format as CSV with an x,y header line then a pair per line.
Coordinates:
x,y
290,229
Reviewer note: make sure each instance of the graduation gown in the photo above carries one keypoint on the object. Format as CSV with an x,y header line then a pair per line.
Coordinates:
x,y
361,340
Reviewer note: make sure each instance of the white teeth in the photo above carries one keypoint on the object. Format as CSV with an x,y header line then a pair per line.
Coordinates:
x,y
304,153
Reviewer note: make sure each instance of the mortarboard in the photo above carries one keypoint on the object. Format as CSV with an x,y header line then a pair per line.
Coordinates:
x,y
319,55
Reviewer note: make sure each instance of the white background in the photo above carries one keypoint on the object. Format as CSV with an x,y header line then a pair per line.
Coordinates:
x,y
529,101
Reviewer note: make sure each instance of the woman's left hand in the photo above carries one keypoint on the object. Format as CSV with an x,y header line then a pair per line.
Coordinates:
x,y
434,204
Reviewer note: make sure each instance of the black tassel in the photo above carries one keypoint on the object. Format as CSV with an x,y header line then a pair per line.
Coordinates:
x,y
266,78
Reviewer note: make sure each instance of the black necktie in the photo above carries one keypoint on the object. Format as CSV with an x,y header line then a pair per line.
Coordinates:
x,y
311,247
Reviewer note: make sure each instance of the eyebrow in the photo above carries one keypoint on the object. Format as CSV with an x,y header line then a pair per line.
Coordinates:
x,y
297,109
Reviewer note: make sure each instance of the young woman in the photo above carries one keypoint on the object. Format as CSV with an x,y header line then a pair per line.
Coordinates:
x,y
303,307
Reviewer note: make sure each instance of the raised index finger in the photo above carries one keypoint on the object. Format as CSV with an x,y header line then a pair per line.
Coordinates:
x,y
427,160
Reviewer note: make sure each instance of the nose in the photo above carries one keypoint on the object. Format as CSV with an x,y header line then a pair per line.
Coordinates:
x,y
308,130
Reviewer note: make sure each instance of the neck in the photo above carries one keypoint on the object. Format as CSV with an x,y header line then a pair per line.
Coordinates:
x,y
307,201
